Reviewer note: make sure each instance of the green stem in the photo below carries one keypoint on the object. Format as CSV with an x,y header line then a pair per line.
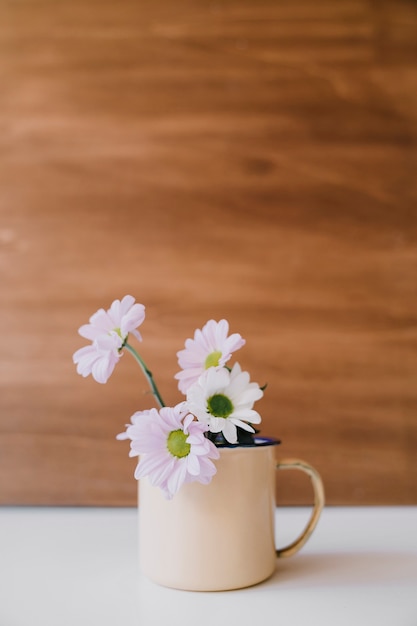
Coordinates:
x,y
148,374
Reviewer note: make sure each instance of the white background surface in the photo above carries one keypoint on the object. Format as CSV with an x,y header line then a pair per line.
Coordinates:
x,y
79,567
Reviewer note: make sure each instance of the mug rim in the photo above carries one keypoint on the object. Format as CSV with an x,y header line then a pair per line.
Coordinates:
x,y
257,442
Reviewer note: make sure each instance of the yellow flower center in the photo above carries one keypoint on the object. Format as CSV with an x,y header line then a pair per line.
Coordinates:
x,y
177,444
213,359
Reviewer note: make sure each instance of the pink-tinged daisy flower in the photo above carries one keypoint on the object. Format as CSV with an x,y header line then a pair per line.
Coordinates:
x,y
172,447
223,400
108,332
211,347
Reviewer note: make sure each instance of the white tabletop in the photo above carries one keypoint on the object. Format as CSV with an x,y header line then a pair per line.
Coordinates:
x,y
78,567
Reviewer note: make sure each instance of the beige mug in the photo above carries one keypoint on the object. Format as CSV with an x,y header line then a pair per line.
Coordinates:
x,y
220,536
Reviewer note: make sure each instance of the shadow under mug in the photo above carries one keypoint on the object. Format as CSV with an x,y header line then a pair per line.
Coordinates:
x,y
220,536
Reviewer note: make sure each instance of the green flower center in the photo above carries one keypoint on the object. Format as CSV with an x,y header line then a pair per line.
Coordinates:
x,y
213,359
219,405
177,444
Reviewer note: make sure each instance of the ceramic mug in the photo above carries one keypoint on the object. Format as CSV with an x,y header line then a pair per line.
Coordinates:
x,y
220,536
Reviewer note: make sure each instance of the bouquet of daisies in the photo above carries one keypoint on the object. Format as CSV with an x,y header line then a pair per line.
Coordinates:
x,y
178,444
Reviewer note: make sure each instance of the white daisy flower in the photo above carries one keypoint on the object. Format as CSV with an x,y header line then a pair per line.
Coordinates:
x,y
211,347
223,400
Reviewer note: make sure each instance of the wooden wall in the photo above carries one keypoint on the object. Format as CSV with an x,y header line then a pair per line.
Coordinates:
x,y
254,160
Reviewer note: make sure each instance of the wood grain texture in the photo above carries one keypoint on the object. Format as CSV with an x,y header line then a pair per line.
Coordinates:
x,y
248,160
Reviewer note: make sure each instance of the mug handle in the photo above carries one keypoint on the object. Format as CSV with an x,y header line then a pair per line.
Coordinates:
x,y
317,483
